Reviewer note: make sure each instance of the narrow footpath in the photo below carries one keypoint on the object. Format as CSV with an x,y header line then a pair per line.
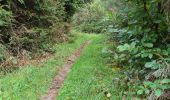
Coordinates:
x,y
63,72
90,77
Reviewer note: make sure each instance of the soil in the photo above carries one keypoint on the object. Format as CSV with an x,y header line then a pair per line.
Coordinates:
x,y
62,74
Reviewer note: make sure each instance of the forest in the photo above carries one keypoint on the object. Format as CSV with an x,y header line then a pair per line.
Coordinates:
x,y
85,49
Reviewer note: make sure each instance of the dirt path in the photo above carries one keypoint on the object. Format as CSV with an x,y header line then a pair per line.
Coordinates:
x,y
63,72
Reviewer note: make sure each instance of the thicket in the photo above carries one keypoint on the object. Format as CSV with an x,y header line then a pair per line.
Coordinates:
x,y
91,18
140,31
32,26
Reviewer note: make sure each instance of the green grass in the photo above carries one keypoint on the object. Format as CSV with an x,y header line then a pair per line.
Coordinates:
x,y
31,82
90,78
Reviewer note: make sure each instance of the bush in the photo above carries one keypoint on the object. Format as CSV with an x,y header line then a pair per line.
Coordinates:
x,y
29,24
92,18
142,31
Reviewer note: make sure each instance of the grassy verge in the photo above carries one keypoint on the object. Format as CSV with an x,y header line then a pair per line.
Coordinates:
x,y
31,82
90,78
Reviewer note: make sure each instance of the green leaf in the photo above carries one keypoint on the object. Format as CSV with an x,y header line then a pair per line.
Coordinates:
x,y
165,86
153,86
150,55
149,45
164,81
149,64
147,83
143,55
147,30
165,52
124,47
157,21
139,92
158,92
153,65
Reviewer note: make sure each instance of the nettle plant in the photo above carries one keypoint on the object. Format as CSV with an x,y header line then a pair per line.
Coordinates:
x,y
143,37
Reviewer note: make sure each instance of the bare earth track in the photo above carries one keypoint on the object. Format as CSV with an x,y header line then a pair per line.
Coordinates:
x,y
63,72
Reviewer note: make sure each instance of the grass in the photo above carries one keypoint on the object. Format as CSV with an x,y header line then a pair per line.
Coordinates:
x,y
90,78
31,82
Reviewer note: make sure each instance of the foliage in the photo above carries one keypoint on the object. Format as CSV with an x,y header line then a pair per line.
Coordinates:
x,y
91,18
5,16
34,25
157,86
141,30
21,19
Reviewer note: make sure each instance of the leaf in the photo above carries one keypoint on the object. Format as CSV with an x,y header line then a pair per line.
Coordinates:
x,y
149,45
157,21
149,64
158,92
153,86
150,55
165,86
145,54
165,52
147,83
116,56
139,92
147,30
164,81
153,65
123,47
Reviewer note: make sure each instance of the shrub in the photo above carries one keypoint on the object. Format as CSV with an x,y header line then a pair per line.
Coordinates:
x,y
29,24
142,31
92,18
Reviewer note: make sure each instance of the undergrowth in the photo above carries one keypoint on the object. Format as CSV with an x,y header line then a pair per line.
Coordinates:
x,y
31,82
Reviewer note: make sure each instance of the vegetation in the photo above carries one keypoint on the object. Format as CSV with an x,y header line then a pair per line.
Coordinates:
x,y
90,77
33,81
142,33
29,27
91,18
33,26
139,30
129,56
